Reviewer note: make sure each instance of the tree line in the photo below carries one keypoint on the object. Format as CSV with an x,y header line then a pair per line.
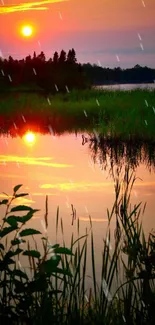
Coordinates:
x,y
98,75
59,73
62,72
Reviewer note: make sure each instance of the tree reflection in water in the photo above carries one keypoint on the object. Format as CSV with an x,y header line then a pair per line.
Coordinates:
x,y
114,152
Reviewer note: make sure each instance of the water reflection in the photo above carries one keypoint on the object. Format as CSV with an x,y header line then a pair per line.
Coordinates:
x,y
42,123
60,167
109,152
30,138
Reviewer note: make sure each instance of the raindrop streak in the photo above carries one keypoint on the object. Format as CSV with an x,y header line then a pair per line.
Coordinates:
x,y
15,126
10,78
34,71
124,318
86,209
141,45
23,118
56,87
97,102
117,57
19,264
49,102
6,142
106,290
67,89
139,37
99,63
60,15
96,135
51,131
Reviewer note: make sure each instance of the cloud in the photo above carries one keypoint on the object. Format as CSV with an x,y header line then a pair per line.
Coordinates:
x,y
39,161
4,196
121,50
76,186
93,219
17,201
144,184
43,194
22,200
37,5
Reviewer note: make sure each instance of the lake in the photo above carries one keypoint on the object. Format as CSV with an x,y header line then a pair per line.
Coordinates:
x,y
62,167
148,86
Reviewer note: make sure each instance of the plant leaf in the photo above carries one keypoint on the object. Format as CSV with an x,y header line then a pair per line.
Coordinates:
x,y
20,274
12,221
28,232
17,241
63,271
21,194
38,285
50,265
19,286
63,250
4,264
4,202
1,246
17,187
33,253
13,253
21,208
7,230
53,246
28,216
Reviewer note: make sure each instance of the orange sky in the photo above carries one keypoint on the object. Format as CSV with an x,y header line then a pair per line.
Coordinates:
x,y
97,29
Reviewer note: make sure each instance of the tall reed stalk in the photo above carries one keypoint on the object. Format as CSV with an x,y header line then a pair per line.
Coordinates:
x,y
56,291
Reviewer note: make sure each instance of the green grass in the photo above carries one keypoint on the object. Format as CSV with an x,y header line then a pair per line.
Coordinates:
x,y
120,113
54,290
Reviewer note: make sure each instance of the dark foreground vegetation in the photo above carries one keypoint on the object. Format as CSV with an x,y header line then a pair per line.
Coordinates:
x,y
50,286
62,72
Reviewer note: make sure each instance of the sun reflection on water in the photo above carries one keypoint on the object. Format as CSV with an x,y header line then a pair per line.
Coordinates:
x,y
30,138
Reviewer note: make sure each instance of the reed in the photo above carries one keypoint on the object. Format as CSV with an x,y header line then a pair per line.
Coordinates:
x,y
53,289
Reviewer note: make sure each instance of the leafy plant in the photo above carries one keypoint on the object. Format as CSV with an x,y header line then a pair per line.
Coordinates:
x,y
54,288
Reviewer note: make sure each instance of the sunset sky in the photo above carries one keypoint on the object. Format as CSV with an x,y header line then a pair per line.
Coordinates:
x,y
107,32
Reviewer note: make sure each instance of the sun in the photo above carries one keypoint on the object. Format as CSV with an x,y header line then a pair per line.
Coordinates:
x,y
30,137
27,30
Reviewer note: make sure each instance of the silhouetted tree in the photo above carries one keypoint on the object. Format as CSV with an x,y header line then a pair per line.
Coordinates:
x,y
34,56
71,57
28,59
55,58
62,57
41,57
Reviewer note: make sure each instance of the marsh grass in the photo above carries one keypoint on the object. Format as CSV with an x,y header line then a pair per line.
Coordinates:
x,y
56,291
122,113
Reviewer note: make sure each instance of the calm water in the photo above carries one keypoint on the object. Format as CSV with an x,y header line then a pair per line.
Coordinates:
x,y
63,168
128,86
